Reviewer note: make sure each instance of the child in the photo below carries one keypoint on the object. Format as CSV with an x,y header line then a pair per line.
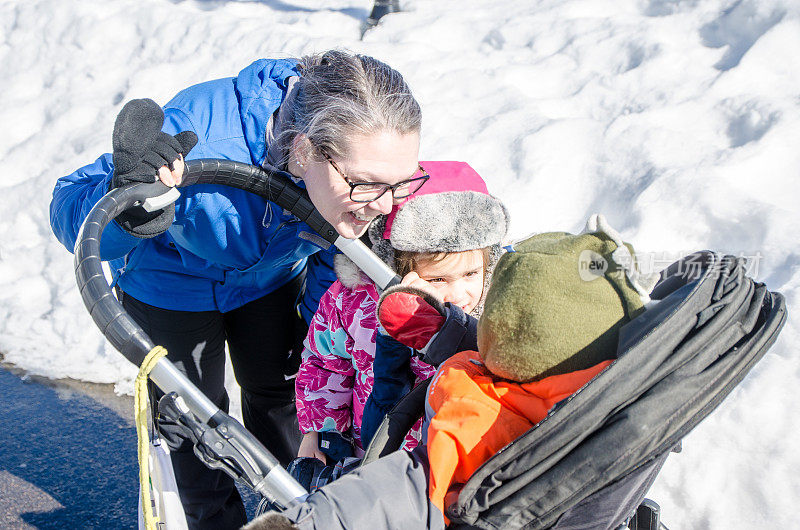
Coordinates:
x,y
442,239
550,325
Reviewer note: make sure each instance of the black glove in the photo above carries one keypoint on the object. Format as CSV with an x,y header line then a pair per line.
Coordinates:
x,y
140,149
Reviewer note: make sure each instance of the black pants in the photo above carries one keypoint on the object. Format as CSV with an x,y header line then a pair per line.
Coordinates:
x,y
264,341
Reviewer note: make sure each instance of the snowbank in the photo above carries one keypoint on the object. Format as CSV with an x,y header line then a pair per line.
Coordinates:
x,y
677,119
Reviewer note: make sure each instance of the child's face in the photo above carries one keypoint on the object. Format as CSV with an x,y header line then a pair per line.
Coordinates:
x,y
457,278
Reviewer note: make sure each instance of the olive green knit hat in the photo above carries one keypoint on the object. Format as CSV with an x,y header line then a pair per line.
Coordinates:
x,y
556,303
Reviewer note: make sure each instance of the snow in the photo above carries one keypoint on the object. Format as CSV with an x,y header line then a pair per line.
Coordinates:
x,y
677,119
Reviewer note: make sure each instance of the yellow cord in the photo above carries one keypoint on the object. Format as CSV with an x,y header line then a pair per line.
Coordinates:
x,y
142,401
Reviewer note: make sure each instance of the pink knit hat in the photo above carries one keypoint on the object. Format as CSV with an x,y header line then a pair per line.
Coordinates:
x,y
445,176
452,212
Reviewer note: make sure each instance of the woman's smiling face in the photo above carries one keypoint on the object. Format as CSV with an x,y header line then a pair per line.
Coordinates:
x,y
384,157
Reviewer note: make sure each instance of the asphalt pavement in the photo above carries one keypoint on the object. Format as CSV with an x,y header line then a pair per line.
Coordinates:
x,y
67,455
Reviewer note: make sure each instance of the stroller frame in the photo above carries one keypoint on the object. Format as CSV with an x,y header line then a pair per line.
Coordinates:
x,y
220,441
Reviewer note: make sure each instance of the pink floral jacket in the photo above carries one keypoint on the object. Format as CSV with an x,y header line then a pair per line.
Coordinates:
x,y
335,377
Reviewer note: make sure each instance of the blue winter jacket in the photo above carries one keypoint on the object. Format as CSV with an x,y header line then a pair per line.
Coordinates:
x,y
226,246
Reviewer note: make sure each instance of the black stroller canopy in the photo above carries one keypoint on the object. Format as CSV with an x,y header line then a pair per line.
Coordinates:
x,y
589,463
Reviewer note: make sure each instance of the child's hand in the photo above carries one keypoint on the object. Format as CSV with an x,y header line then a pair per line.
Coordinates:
x,y
412,279
411,315
309,447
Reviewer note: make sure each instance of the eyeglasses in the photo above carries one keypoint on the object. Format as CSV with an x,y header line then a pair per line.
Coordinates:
x,y
372,191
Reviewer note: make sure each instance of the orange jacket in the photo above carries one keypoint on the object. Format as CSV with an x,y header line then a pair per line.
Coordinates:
x,y
477,414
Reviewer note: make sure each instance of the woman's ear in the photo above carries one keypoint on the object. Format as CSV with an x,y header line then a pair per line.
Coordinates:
x,y
301,150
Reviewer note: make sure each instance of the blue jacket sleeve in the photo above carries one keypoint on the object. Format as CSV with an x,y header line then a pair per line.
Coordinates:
x,y
393,379
319,276
73,198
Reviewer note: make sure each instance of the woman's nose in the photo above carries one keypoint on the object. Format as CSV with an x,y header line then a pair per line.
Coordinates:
x,y
383,203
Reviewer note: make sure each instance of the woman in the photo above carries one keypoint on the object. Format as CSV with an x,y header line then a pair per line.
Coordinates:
x,y
228,266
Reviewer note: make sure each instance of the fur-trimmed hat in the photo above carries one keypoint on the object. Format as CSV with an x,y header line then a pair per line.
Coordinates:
x,y
452,212
557,301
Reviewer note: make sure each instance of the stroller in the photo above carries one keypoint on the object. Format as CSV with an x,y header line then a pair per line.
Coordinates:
x,y
588,464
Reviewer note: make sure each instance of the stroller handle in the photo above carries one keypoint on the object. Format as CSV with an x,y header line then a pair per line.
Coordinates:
x,y
275,186
134,344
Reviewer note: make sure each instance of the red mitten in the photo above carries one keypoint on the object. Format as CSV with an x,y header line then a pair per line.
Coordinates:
x,y
410,316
